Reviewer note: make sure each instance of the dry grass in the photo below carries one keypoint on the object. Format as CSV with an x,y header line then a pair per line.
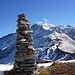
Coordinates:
x,y
59,69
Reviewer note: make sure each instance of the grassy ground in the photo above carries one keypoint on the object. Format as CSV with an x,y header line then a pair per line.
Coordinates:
x,y
59,69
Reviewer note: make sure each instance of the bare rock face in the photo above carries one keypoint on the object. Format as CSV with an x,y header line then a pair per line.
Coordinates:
x,y
25,54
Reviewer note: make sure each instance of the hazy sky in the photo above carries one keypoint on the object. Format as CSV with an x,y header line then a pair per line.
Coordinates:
x,y
56,12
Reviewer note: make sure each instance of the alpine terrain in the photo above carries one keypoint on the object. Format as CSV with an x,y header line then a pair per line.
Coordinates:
x,y
51,43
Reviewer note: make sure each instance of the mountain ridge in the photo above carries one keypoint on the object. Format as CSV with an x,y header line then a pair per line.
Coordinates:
x,y
51,43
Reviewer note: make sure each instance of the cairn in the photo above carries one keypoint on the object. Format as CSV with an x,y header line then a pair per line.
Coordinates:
x,y
25,53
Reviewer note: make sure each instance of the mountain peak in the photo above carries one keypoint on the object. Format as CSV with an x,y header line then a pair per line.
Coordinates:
x,y
43,25
65,26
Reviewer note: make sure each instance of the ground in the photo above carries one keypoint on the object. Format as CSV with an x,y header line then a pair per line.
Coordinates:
x,y
52,68
58,69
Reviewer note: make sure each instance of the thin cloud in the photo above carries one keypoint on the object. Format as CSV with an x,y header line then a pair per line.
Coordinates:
x,y
45,20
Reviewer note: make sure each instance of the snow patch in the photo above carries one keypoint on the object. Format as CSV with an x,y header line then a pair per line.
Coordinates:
x,y
68,61
5,67
45,64
4,48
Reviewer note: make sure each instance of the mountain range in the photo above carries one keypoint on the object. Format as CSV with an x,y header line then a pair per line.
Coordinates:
x,y
51,43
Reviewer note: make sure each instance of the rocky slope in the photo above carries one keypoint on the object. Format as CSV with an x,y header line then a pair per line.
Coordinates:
x,y
51,43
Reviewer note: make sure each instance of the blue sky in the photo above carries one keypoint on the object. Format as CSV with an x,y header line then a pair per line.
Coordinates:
x,y
56,12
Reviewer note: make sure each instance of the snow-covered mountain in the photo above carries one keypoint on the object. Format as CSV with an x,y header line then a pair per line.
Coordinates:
x,y
7,48
51,43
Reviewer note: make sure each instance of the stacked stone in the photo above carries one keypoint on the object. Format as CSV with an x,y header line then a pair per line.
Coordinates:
x,y
25,53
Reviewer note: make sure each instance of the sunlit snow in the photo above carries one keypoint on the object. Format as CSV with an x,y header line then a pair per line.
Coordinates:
x,y
5,67
66,43
44,64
